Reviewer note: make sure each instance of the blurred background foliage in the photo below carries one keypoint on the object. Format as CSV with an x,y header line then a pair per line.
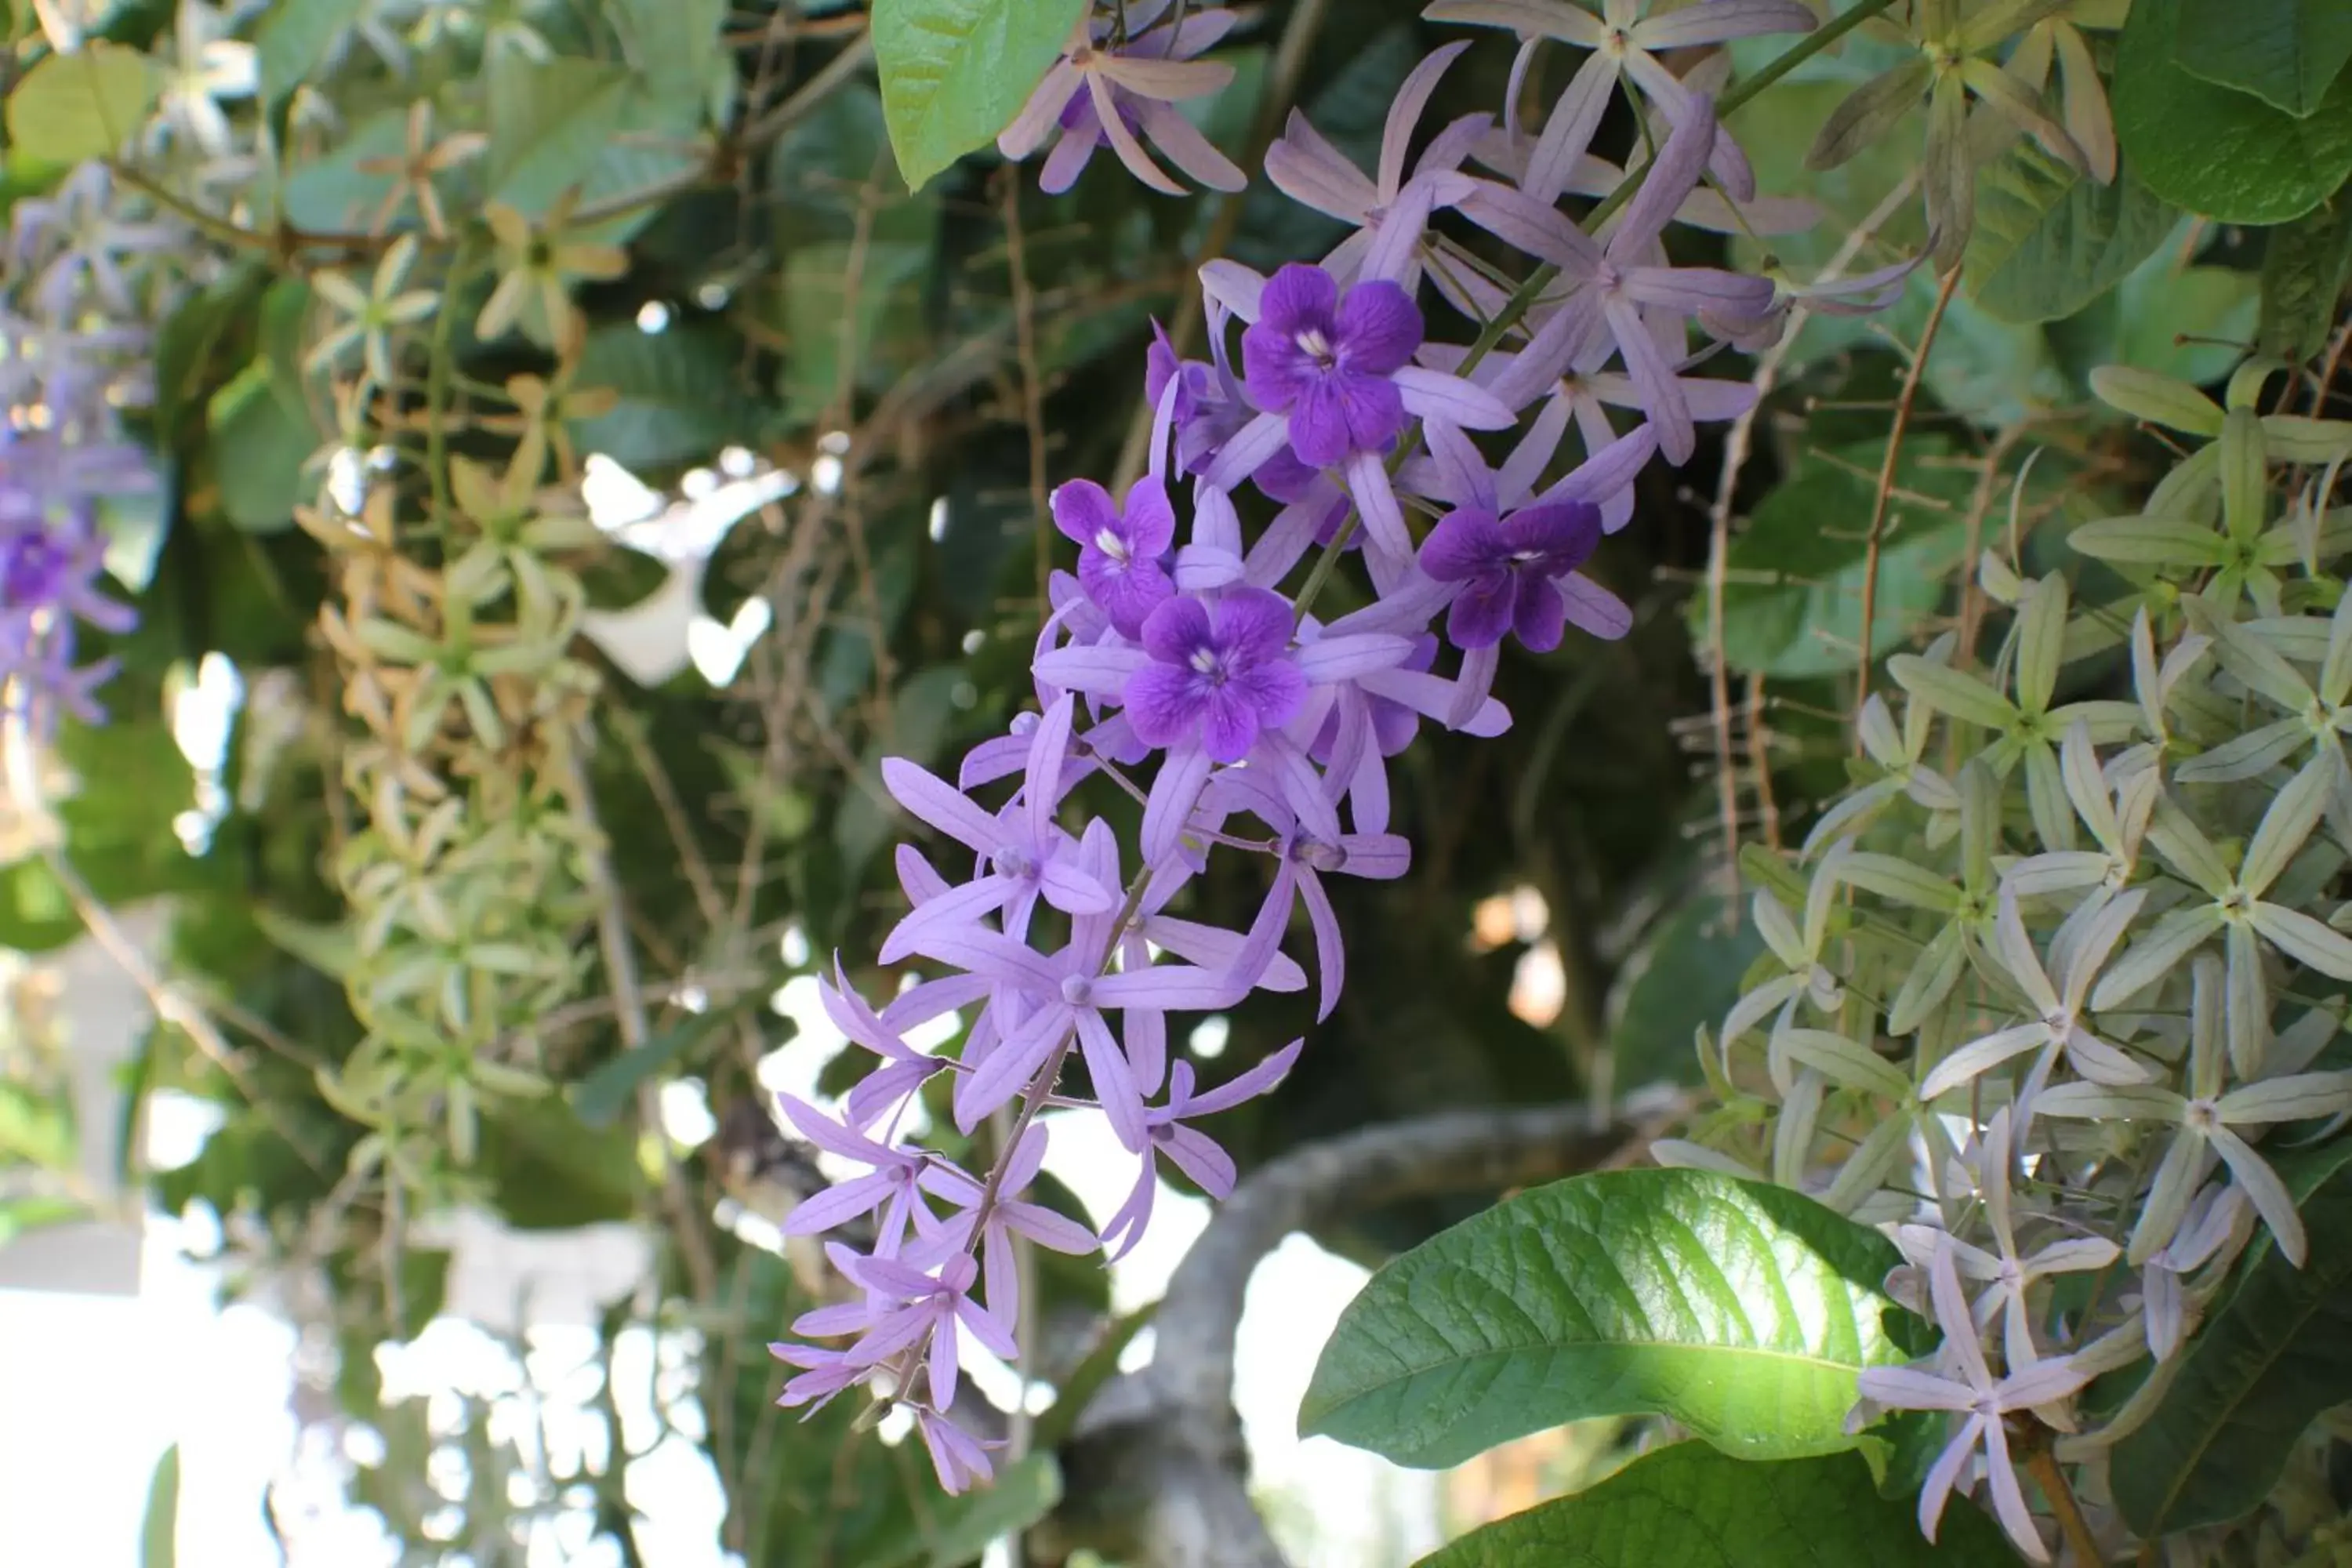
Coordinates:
x,y
803,415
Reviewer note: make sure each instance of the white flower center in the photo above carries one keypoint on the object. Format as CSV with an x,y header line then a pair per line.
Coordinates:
x,y
1317,347
1205,661
2203,1115
1112,545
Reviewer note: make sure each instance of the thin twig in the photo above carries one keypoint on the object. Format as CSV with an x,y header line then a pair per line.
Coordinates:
x,y
1737,445
1032,393
2043,1466
1879,502
621,974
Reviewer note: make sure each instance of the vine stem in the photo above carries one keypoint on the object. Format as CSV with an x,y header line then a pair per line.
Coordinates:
x,y
1886,492
2043,1467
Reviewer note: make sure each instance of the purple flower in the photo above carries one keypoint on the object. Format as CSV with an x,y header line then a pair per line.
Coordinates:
x,y
1121,551
1326,359
1332,373
51,559
1008,1214
1624,295
1622,40
904,1069
1028,858
1505,567
1129,88
1188,1149
891,1186
1218,675
1302,859
960,1459
903,1308
1391,213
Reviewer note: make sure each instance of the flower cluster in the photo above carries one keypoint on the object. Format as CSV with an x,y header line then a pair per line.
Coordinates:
x,y
71,346
1183,662
2058,1006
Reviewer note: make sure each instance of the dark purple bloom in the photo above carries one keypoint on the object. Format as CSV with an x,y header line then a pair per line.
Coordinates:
x,y
1506,567
1121,553
1326,359
1218,675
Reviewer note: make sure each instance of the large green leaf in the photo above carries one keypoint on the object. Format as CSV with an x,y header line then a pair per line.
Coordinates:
x,y
2284,52
2304,267
2276,1352
550,120
675,46
2049,240
955,72
1792,599
83,105
2226,154
1691,1507
1740,1310
258,449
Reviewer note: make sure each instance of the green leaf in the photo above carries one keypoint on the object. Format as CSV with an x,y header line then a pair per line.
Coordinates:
x,y
955,72
673,45
158,1533
2284,52
1692,1507
2049,240
2305,265
2269,1358
1792,602
550,1171
604,1094
332,949
1740,1310
1685,976
258,449
293,40
2186,322
963,1529
87,104
2225,154
681,396
844,331
549,122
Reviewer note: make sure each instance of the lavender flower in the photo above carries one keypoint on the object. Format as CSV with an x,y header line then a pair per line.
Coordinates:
x,y
1188,1149
1129,88
1624,44
1620,285
908,1308
1982,1399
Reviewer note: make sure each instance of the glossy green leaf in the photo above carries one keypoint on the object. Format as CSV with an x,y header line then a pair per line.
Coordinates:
x,y
2305,265
159,1531
2223,153
602,1096
83,105
2286,52
955,72
2049,240
1740,1310
258,449
2274,1355
1692,1507
1792,600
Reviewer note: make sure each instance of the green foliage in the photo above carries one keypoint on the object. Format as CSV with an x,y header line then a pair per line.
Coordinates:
x,y
2305,265
1691,1506
1738,1309
955,72
2286,52
81,105
2049,240
2223,153
158,1534
1793,586
2271,1357
959,1530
